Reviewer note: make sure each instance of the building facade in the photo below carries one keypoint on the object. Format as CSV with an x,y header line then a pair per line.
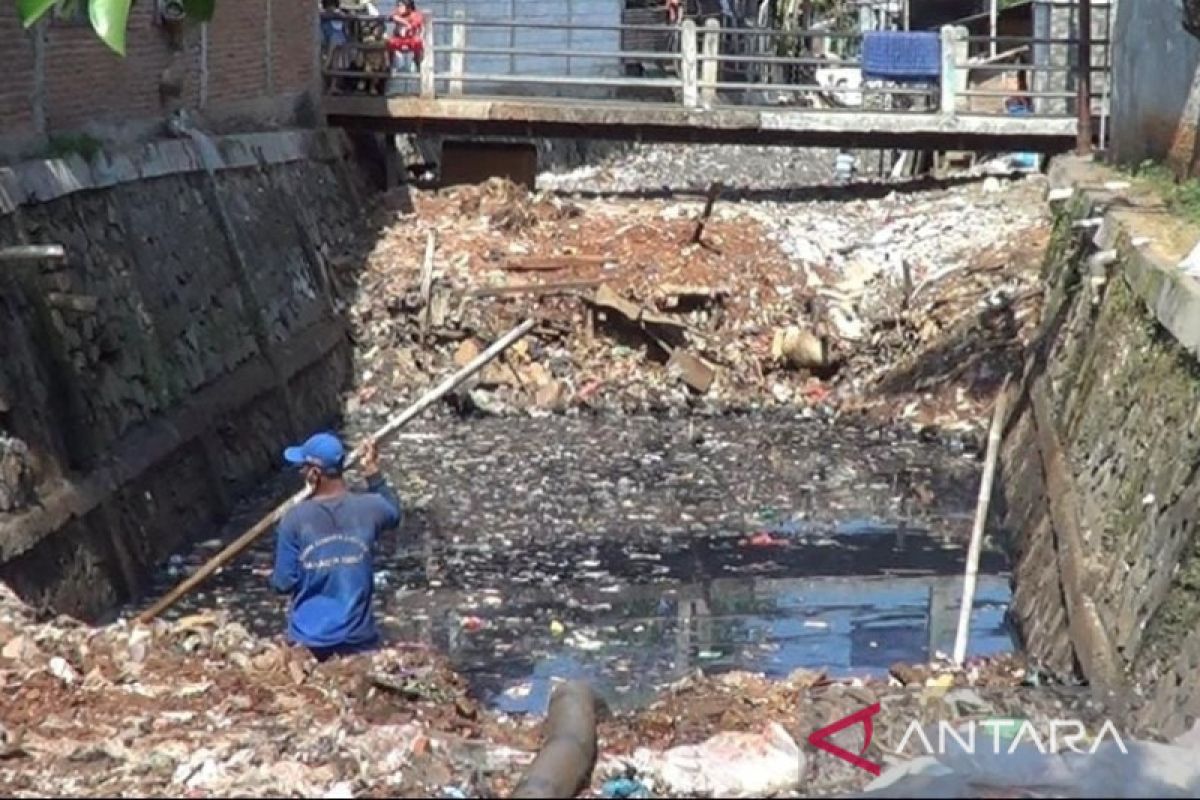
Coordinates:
x,y
254,66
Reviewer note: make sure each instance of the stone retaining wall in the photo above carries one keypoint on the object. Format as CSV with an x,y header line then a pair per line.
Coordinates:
x,y
154,375
1099,470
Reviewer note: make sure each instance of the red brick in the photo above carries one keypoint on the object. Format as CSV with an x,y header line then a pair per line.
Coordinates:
x,y
237,53
294,40
17,67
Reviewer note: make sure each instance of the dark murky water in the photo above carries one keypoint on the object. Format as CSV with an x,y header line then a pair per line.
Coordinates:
x,y
632,551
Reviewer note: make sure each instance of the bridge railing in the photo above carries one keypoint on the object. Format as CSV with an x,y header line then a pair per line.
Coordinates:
x,y
701,67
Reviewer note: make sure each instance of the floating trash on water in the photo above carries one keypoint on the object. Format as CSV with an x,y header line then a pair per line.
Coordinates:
x,y
519,692
557,628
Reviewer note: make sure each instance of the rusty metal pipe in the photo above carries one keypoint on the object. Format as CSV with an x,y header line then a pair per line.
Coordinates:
x,y
564,764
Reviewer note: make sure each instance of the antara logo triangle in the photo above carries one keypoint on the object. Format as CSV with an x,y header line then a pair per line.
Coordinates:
x,y
820,738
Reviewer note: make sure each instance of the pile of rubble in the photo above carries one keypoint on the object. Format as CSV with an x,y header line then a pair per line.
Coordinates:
x,y
649,305
201,707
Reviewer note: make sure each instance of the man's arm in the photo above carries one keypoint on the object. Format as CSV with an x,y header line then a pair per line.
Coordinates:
x,y
287,559
388,503
390,510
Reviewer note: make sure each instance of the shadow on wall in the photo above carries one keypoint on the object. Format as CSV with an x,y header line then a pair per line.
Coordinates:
x,y
153,377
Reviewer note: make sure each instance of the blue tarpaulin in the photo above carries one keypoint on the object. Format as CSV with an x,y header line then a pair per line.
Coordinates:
x,y
901,56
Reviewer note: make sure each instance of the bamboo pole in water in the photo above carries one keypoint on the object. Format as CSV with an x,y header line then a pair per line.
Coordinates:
x,y
234,548
981,511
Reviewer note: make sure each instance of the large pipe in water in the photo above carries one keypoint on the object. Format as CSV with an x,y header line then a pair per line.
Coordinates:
x,y
564,764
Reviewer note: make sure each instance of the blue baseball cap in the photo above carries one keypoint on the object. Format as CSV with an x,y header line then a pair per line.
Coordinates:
x,y
324,450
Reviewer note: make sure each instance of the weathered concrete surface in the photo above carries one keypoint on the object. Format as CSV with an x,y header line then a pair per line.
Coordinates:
x,y
1108,426
1156,85
665,122
155,374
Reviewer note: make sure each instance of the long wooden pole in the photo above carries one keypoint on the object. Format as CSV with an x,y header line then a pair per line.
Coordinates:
x,y
981,510
235,547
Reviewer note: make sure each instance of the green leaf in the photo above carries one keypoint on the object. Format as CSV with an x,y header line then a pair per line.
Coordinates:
x,y
33,10
199,10
109,18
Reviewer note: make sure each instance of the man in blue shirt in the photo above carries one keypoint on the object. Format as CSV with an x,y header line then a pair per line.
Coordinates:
x,y
324,547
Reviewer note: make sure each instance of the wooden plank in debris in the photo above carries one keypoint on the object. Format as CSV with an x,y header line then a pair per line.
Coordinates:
x,y
692,369
81,303
607,298
535,288
32,252
427,282
714,192
553,263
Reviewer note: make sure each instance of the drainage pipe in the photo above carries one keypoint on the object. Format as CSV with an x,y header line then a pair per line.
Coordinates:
x,y
563,766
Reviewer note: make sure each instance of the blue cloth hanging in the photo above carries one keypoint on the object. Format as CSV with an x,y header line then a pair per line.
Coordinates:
x,y
902,56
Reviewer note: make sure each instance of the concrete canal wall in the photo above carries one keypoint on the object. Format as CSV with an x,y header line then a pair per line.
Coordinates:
x,y
1102,452
154,375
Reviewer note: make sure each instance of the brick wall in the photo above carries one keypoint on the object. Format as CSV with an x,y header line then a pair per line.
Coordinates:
x,y
254,60
17,65
237,52
86,80
295,39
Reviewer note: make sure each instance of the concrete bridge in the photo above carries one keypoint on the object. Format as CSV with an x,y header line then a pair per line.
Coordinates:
x,y
509,78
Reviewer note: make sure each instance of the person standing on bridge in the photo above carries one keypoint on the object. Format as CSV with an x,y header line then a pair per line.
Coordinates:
x,y
324,548
407,40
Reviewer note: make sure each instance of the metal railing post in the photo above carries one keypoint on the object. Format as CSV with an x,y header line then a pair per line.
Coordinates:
x,y
458,42
428,62
688,69
710,70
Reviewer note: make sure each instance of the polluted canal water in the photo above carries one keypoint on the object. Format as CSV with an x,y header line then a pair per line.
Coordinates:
x,y
632,551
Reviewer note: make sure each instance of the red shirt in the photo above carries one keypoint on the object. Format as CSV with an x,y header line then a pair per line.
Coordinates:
x,y
409,24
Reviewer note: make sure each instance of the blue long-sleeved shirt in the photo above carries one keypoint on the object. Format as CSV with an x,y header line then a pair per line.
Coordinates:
x,y
323,558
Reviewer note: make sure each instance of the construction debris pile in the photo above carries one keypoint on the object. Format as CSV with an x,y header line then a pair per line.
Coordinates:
x,y
710,303
199,707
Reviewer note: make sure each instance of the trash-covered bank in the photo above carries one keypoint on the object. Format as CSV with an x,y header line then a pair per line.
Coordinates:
x,y
755,434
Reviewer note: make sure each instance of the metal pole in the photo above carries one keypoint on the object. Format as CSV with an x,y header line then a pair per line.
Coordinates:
x,y
1083,145
993,23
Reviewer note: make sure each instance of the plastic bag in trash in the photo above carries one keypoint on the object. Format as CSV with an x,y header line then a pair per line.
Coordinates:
x,y
730,765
